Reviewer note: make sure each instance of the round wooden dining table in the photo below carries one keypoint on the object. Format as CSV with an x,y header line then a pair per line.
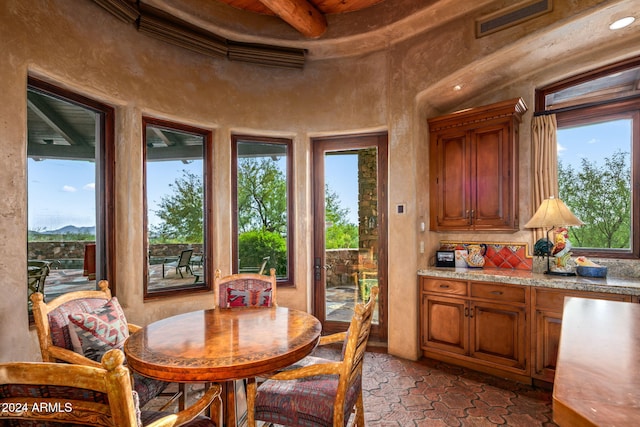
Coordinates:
x,y
221,345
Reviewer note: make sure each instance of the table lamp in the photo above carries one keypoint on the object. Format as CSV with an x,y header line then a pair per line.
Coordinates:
x,y
553,213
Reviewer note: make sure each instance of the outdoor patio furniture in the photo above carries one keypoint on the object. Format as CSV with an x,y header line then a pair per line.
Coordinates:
x,y
265,260
37,272
181,262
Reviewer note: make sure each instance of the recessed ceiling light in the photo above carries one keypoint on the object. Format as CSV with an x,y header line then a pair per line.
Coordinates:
x,y
621,23
457,87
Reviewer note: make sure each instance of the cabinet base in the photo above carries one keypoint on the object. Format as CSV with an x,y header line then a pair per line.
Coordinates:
x,y
478,366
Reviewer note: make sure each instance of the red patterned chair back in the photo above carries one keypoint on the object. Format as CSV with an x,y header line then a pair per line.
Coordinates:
x,y
245,290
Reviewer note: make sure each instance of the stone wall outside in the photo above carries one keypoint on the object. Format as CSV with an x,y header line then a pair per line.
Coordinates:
x,y
71,254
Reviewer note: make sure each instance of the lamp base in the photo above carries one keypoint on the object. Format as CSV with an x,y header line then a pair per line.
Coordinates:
x,y
559,273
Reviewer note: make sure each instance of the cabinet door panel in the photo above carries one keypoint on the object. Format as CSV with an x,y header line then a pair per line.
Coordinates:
x,y
548,325
498,334
453,180
547,306
445,325
491,190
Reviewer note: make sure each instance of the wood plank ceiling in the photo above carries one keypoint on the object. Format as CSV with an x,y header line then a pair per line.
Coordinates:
x,y
306,16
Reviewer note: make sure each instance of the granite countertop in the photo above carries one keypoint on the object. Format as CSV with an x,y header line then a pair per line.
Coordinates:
x,y
613,285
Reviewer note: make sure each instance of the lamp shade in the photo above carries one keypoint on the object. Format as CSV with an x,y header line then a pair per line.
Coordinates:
x,y
552,213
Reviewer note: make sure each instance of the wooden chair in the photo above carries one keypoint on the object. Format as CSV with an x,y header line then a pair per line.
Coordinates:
x,y
44,393
52,325
245,290
317,392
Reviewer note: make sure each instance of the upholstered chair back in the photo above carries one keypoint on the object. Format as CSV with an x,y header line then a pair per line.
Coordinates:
x,y
245,290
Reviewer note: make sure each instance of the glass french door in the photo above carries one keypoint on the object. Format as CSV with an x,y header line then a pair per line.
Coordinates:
x,y
350,229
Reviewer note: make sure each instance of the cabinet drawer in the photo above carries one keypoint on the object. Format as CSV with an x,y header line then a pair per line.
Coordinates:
x,y
553,299
498,292
450,287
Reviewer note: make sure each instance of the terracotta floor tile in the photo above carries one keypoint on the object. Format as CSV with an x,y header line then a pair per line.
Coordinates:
x,y
427,393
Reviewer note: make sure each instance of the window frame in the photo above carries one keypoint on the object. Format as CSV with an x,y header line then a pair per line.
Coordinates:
x,y
105,170
207,179
608,109
288,143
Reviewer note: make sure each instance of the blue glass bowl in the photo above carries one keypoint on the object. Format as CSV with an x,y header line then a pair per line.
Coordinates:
x,y
586,271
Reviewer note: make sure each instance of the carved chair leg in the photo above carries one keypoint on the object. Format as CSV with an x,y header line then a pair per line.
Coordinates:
x,y
359,421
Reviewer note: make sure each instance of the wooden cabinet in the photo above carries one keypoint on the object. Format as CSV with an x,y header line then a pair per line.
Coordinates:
x,y
480,325
507,330
547,305
474,168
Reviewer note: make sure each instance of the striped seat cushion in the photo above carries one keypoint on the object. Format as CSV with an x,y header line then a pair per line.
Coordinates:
x,y
304,402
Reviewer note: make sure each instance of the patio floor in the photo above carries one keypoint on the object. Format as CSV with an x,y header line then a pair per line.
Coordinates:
x,y
340,300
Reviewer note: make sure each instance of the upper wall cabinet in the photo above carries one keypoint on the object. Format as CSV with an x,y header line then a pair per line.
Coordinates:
x,y
473,168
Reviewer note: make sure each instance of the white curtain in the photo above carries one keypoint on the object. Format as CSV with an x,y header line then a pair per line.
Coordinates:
x,y
545,163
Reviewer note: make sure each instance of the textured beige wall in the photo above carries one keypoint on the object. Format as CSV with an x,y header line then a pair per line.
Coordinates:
x,y
75,44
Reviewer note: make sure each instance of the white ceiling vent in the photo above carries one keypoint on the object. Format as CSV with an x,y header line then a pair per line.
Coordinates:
x,y
512,15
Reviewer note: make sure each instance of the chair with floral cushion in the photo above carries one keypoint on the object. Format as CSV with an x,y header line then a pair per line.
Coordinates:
x,y
80,327
317,392
44,393
244,290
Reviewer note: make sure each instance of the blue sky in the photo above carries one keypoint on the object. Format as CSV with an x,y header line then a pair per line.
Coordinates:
x,y
594,142
61,192
341,175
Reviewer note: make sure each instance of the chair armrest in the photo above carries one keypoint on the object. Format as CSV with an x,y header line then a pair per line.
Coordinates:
x,y
72,357
333,338
133,328
170,259
332,368
184,416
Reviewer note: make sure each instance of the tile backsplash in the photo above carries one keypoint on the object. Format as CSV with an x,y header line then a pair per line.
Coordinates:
x,y
499,255
517,256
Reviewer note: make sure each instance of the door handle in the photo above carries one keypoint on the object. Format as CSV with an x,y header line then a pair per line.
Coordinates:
x,y
317,269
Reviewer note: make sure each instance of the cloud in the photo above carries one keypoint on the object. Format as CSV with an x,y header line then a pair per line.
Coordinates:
x,y
592,141
90,187
561,149
69,189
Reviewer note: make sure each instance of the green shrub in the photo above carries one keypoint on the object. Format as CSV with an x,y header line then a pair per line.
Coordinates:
x,y
253,246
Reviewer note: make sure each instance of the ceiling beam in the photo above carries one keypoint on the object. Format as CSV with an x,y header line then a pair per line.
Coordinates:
x,y
300,14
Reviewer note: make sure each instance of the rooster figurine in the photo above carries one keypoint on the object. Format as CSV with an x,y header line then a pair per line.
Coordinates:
x,y
561,247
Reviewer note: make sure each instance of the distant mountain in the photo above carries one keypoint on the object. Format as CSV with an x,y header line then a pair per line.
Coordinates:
x,y
71,229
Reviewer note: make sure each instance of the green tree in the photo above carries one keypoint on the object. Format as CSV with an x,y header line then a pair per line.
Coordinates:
x,y
262,196
181,211
339,232
254,245
600,195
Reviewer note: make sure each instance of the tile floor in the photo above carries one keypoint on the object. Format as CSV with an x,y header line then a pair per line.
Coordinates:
x,y
427,393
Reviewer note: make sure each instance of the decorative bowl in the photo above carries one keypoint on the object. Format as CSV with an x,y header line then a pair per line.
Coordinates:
x,y
587,271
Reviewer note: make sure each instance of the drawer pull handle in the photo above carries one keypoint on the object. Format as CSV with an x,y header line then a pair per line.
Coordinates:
x,y
497,292
466,312
444,286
